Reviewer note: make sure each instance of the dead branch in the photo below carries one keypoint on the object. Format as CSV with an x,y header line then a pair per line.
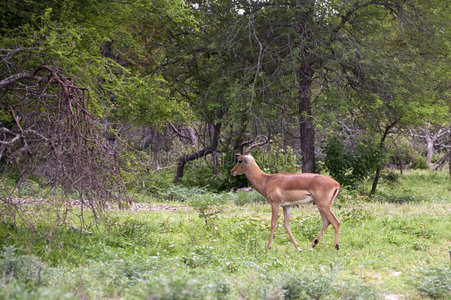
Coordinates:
x,y
52,135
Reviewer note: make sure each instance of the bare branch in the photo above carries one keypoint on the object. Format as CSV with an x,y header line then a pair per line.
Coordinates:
x,y
14,78
178,132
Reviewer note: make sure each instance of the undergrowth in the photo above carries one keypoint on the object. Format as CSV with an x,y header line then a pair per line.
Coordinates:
x,y
217,250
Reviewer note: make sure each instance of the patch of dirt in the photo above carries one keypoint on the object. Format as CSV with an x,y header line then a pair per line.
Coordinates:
x,y
133,207
157,207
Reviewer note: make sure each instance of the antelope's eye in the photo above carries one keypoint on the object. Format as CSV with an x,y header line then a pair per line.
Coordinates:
x,y
240,161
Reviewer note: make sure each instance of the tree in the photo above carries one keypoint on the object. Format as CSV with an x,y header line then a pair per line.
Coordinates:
x,y
71,76
311,44
207,65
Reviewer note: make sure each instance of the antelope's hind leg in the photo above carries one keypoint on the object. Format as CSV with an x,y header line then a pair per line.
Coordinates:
x,y
326,224
335,223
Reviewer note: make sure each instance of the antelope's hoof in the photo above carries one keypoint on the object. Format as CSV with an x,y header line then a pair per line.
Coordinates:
x,y
299,249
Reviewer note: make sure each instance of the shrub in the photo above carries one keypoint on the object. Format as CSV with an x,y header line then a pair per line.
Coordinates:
x,y
326,284
419,162
206,201
244,198
434,282
27,269
181,286
208,207
200,173
178,193
391,177
350,167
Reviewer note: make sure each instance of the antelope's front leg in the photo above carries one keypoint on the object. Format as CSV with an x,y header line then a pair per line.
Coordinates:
x,y
286,223
275,214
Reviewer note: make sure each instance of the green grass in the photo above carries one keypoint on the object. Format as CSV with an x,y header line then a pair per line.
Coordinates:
x,y
218,251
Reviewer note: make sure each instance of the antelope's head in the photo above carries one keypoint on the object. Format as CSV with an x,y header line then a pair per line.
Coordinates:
x,y
245,160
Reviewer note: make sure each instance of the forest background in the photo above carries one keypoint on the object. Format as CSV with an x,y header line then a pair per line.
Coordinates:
x,y
112,103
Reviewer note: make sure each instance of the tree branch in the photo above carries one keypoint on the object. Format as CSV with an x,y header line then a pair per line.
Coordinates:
x,y
15,77
358,6
178,132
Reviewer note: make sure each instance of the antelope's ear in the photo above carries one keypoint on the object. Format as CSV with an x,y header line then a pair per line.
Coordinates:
x,y
237,155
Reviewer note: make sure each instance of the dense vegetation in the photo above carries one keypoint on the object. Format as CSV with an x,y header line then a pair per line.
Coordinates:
x,y
140,105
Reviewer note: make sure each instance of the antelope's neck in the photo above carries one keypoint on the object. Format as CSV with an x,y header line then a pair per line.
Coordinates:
x,y
257,178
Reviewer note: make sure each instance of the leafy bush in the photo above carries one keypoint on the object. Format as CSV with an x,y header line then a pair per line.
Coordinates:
x,y
434,282
244,198
391,177
326,284
208,207
178,193
307,287
25,268
404,154
420,162
206,201
181,286
349,167
200,173
248,231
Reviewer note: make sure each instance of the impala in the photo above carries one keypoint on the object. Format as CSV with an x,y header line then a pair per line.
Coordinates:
x,y
288,189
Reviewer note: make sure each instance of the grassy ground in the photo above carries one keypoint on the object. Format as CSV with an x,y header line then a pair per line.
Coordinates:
x,y
396,245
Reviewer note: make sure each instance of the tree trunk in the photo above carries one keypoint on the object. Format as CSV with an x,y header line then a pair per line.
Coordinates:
x,y
449,162
430,147
201,153
377,175
307,132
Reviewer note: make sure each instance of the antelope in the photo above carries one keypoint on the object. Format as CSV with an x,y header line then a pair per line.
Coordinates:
x,y
288,189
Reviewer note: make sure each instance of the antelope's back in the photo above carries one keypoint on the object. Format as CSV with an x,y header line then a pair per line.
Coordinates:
x,y
301,181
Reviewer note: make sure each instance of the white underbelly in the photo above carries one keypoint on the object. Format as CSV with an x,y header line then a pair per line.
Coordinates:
x,y
306,200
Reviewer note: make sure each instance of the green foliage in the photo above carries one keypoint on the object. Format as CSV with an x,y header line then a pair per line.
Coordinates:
x,y
308,285
178,193
93,43
323,284
185,286
200,172
417,185
209,206
25,268
403,196
245,198
353,207
404,155
391,177
434,282
420,162
351,167
207,201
